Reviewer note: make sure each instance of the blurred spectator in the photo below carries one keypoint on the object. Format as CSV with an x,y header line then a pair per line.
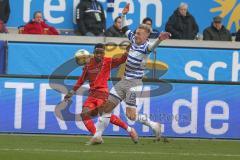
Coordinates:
x,y
90,18
154,33
4,10
3,28
182,24
38,26
115,30
238,36
217,32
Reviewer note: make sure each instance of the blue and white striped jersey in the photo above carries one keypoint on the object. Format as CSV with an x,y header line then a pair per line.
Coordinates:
x,y
136,59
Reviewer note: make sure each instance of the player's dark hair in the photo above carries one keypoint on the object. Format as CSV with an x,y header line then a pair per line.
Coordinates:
x,y
99,45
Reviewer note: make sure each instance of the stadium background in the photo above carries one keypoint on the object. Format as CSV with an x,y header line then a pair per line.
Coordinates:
x,y
186,109
61,13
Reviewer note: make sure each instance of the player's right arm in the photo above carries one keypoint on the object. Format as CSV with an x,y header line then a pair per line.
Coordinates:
x,y
124,25
81,79
78,84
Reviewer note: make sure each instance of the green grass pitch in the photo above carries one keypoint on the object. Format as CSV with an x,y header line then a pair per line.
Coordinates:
x,y
55,147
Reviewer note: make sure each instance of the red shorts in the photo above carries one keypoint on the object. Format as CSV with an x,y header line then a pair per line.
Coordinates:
x,y
93,103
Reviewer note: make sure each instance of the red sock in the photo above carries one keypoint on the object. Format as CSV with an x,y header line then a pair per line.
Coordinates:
x,y
118,122
88,122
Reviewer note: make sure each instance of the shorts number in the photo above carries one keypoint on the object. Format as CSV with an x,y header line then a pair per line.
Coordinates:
x,y
132,97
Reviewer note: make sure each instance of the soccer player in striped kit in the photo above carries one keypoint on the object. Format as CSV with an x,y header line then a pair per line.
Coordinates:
x,y
129,88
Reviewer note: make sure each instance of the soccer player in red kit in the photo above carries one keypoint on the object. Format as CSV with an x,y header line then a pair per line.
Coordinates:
x,y
97,72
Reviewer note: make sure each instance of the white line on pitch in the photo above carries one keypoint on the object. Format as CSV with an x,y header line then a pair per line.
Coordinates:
x,y
119,137
119,152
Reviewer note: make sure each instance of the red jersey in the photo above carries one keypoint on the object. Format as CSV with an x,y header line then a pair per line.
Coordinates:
x,y
98,74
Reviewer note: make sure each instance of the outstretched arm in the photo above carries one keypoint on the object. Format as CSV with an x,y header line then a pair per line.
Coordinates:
x,y
163,36
118,61
81,79
124,25
78,84
124,12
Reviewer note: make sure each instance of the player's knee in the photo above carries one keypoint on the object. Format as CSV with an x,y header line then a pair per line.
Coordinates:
x,y
94,112
132,117
109,106
131,113
85,112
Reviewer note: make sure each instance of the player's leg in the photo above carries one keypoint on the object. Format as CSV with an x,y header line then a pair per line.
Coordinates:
x,y
105,115
119,122
131,131
89,106
103,107
118,93
102,123
133,91
134,116
155,126
131,110
116,96
113,118
88,122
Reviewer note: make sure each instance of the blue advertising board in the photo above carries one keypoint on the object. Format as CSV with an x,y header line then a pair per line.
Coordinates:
x,y
61,13
2,57
187,110
200,64
183,63
40,59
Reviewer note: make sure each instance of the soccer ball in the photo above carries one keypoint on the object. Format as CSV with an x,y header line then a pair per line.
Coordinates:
x,y
81,56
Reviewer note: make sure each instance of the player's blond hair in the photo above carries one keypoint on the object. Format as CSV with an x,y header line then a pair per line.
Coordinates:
x,y
145,27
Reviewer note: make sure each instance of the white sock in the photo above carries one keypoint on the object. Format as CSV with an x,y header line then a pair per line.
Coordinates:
x,y
102,124
144,119
129,129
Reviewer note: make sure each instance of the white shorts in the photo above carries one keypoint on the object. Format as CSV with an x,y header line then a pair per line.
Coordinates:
x,y
127,90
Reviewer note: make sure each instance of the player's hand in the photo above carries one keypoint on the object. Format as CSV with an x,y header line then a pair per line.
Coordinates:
x,y
164,35
131,113
126,9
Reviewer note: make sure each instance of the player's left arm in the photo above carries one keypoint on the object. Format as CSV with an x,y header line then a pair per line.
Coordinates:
x,y
118,61
162,36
